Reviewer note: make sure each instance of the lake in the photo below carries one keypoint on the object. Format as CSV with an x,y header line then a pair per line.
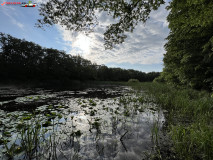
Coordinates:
x,y
104,122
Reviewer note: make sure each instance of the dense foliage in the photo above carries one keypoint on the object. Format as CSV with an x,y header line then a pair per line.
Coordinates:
x,y
189,50
26,61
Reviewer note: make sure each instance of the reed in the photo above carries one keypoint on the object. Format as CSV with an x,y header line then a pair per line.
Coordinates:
x,y
189,117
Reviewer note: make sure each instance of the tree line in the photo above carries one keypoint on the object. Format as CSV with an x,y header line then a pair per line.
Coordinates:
x,y
189,51
21,60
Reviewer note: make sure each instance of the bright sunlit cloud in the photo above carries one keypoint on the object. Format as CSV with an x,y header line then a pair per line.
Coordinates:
x,y
80,43
83,43
144,46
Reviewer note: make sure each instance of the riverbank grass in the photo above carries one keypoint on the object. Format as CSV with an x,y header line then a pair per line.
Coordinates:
x,y
189,117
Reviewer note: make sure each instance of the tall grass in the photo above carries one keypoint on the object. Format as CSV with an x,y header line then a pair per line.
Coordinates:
x,y
190,118
36,142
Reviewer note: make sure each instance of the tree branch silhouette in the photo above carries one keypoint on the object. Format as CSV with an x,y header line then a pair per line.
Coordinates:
x,y
79,15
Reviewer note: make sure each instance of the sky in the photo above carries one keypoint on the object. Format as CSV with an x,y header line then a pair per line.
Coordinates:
x,y
142,50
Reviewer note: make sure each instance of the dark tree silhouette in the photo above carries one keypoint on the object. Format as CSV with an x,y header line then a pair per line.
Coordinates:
x,y
79,15
21,60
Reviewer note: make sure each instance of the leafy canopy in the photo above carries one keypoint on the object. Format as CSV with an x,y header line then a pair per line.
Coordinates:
x,y
189,50
79,15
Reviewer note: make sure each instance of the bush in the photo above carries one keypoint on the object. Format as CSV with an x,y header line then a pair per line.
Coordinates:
x,y
159,79
133,80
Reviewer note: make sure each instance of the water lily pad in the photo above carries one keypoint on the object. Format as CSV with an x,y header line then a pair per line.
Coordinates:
x,y
7,134
27,118
46,124
20,126
92,113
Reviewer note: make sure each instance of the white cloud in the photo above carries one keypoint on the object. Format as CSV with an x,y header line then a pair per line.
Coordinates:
x,y
20,25
11,12
143,46
40,1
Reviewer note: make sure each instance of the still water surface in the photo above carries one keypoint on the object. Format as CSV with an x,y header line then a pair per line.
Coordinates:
x,y
91,124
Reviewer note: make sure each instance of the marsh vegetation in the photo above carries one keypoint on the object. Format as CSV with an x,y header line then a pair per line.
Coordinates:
x,y
139,121
94,123
168,120
188,120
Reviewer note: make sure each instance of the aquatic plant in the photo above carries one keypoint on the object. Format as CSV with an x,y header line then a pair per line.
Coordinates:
x,y
20,125
11,149
60,106
116,112
84,106
47,123
96,125
189,117
126,113
27,117
30,139
50,107
92,102
92,113
106,121
59,115
155,132
141,109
